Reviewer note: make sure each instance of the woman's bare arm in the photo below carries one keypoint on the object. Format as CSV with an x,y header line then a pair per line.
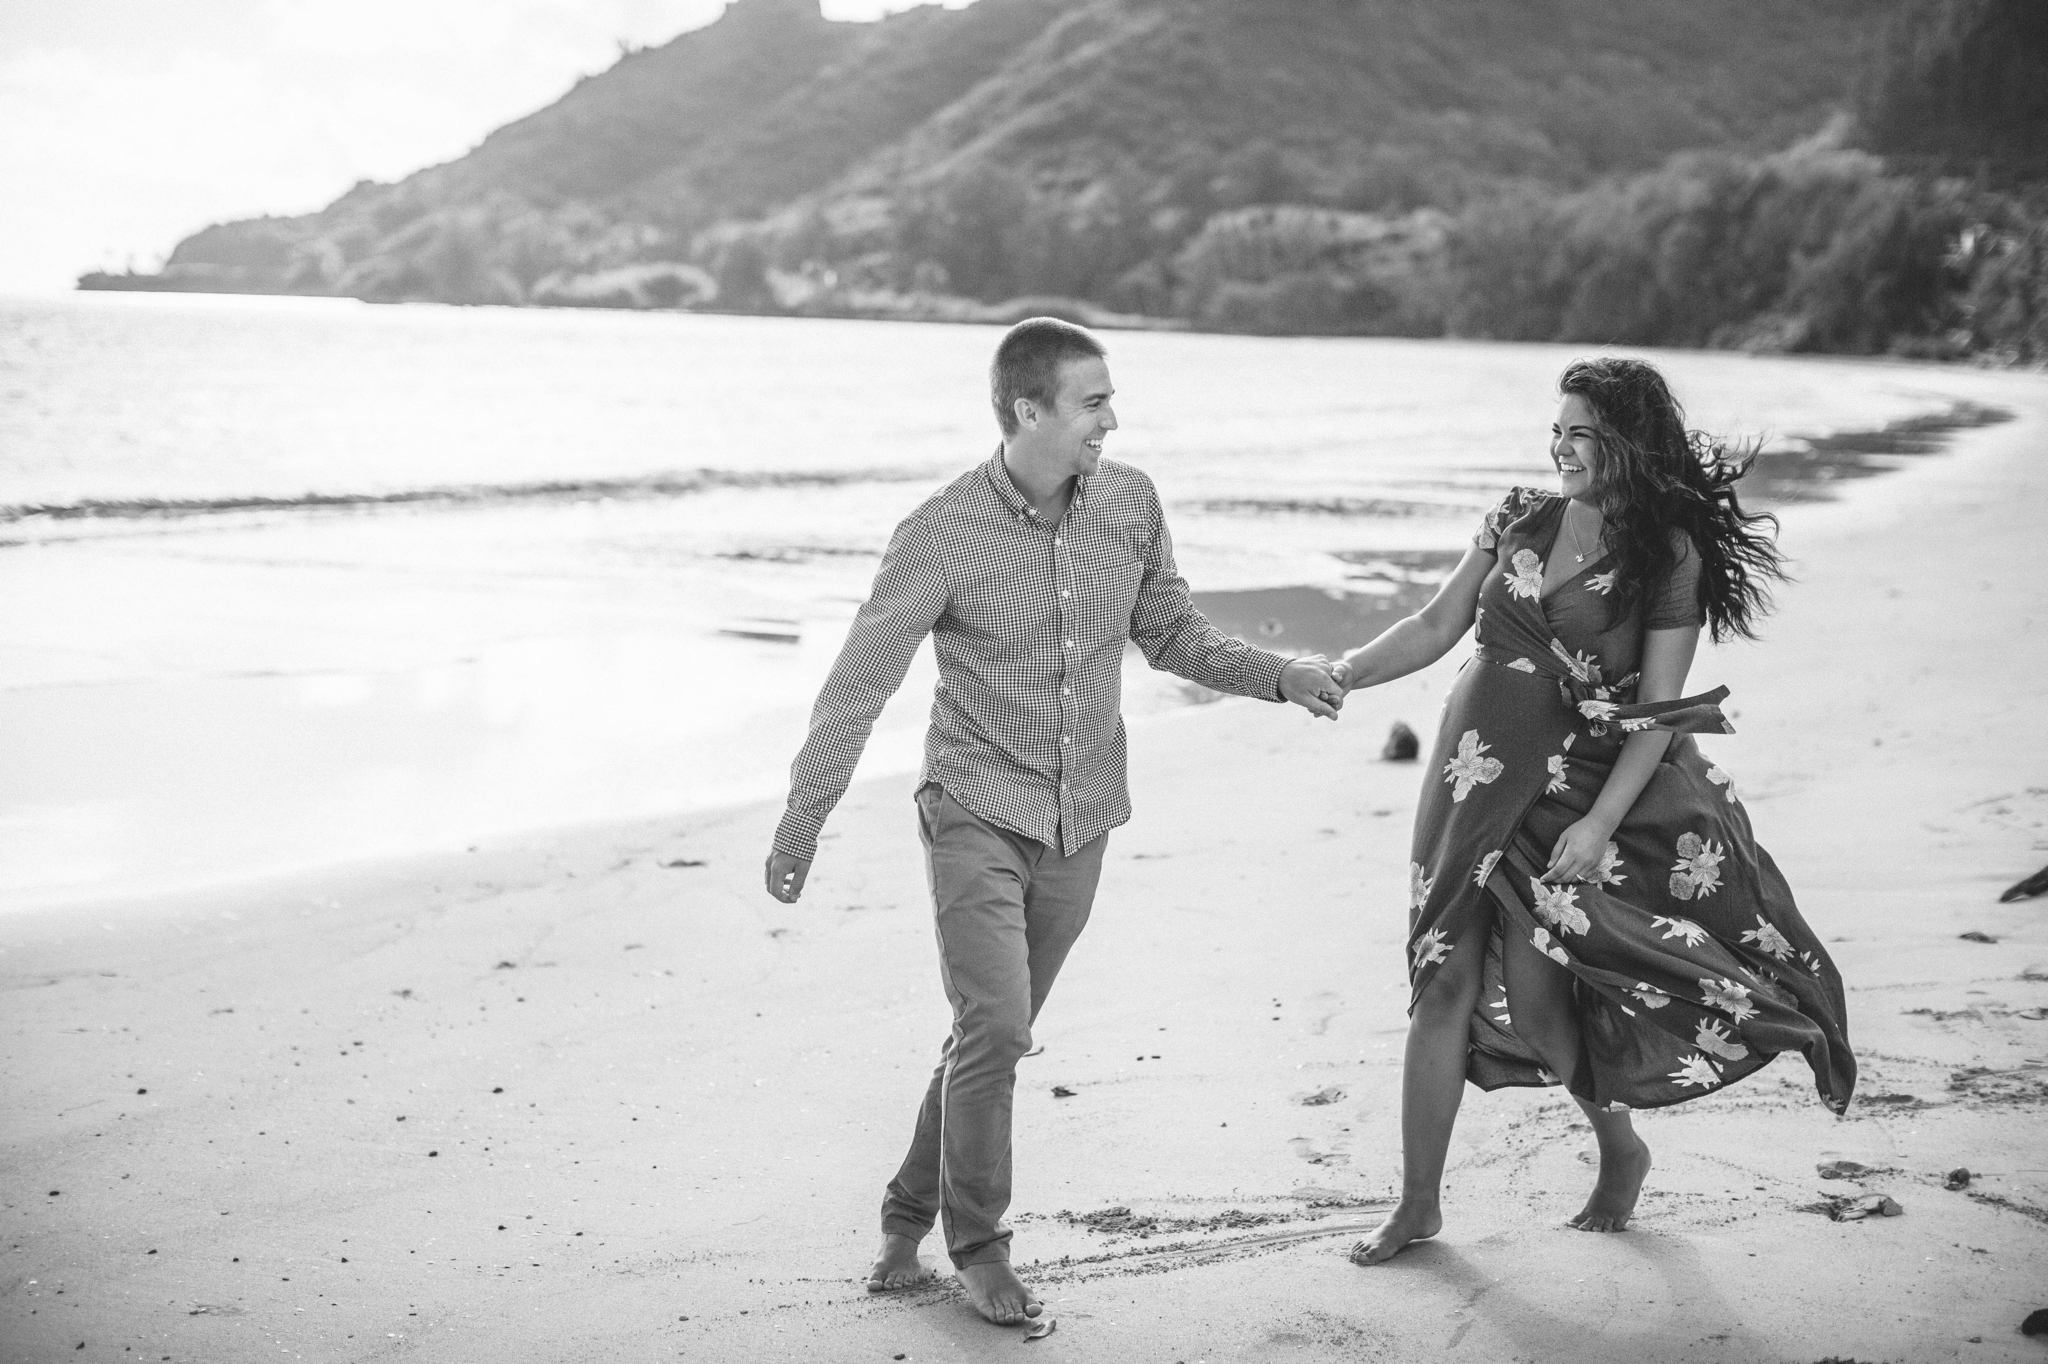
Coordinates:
x,y
1667,658
1416,641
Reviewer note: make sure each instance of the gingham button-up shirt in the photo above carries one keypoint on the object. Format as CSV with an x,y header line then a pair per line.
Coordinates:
x,y
1029,622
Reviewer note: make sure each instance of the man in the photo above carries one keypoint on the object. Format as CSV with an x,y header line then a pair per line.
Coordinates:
x,y
1030,571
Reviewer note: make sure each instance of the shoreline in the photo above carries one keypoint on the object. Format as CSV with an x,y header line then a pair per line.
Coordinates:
x,y
678,1098
1370,589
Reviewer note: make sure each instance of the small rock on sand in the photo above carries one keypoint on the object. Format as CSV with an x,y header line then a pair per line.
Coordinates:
x,y
1974,936
1958,1178
2036,1323
1844,1169
1402,745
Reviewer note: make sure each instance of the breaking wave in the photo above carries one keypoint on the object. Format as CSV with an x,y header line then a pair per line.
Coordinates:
x,y
675,483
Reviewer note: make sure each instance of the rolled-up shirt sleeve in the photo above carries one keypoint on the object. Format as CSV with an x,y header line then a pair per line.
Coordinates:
x,y
908,598
1179,639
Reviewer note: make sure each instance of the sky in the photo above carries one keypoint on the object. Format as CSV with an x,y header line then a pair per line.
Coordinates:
x,y
126,124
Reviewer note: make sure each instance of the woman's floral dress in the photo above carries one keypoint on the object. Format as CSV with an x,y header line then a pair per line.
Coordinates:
x,y
1691,964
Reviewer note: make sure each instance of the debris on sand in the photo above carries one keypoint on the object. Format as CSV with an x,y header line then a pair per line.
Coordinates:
x,y
1958,1178
1844,1169
1402,745
1328,1094
2024,890
1062,1092
1892,1100
1040,1329
686,862
1845,1208
1974,936
1121,1221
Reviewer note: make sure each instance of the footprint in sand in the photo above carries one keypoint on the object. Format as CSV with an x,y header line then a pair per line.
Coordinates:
x,y
1306,1149
1322,1006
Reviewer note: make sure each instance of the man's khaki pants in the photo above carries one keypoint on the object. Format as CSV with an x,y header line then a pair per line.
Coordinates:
x,y
1007,909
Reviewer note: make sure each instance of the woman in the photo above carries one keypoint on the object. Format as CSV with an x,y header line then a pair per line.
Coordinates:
x,y
1588,906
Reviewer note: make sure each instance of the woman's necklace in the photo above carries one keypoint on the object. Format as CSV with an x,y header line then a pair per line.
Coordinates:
x,y
1572,532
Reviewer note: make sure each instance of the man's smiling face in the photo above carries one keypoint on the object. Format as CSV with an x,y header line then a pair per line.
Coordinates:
x,y
1072,430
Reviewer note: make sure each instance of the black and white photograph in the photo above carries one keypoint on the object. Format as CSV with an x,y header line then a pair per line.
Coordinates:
x,y
1124,681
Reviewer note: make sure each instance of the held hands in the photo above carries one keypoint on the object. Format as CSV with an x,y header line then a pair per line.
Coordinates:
x,y
786,876
1579,851
1308,683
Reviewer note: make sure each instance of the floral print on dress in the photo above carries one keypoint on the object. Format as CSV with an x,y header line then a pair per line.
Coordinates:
x,y
1527,578
1650,995
1696,1070
1485,867
1605,874
1698,868
1768,939
1691,933
1523,665
1727,996
1712,1035
1583,665
1540,940
1558,780
1603,583
1469,769
1431,948
1558,906
1419,885
1719,776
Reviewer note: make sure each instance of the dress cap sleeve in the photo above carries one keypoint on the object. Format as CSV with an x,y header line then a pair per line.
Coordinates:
x,y
1511,509
1678,605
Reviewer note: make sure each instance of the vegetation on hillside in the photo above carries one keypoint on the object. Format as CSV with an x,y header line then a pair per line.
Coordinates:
x,y
1683,172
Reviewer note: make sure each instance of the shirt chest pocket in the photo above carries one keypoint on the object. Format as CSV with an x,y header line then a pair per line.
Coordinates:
x,y
1103,598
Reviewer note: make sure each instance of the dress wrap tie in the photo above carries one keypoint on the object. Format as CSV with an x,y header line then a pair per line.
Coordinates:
x,y
1602,703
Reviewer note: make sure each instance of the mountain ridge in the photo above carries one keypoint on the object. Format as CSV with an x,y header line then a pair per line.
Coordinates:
x,y
1376,166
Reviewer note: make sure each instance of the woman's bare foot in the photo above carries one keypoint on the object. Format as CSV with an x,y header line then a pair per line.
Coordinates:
x,y
997,1293
1413,1219
896,1265
1614,1194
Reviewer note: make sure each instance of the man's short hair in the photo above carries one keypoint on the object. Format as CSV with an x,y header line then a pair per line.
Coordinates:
x,y
1027,364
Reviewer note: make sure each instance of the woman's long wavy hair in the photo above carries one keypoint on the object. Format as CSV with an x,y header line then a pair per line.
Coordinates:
x,y
1655,476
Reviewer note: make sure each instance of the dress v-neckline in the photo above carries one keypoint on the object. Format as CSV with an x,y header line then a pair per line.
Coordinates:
x,y
1579,571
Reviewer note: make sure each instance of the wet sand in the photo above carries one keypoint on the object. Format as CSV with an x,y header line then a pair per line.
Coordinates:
x,y
595,1096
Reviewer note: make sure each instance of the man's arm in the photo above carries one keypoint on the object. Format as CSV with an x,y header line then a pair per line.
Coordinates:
x,y
908,598
1180,639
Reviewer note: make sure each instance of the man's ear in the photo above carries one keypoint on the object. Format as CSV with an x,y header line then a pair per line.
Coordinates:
x,y
1025,411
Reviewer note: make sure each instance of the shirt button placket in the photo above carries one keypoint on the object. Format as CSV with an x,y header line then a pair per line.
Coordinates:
x,y
1060,576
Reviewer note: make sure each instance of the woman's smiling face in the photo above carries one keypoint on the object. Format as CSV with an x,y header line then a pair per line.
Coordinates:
x,y
1575,446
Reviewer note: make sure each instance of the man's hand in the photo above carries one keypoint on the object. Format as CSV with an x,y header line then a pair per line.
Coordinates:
x,y
786,876
1308,684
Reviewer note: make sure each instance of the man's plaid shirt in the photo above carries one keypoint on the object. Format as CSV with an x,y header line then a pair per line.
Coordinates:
x,y
1029,623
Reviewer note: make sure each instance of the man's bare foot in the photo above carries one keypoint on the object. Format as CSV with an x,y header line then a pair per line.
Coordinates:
x,y
997,1293
1614,1193
896,1265
1412,1219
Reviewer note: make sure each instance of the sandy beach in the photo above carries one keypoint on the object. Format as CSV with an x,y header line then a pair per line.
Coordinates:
x,y
595,1096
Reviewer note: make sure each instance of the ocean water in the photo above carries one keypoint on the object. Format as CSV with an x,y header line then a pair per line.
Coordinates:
x,y
296,581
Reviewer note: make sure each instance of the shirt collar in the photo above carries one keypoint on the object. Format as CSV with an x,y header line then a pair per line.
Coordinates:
x,y
999,479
